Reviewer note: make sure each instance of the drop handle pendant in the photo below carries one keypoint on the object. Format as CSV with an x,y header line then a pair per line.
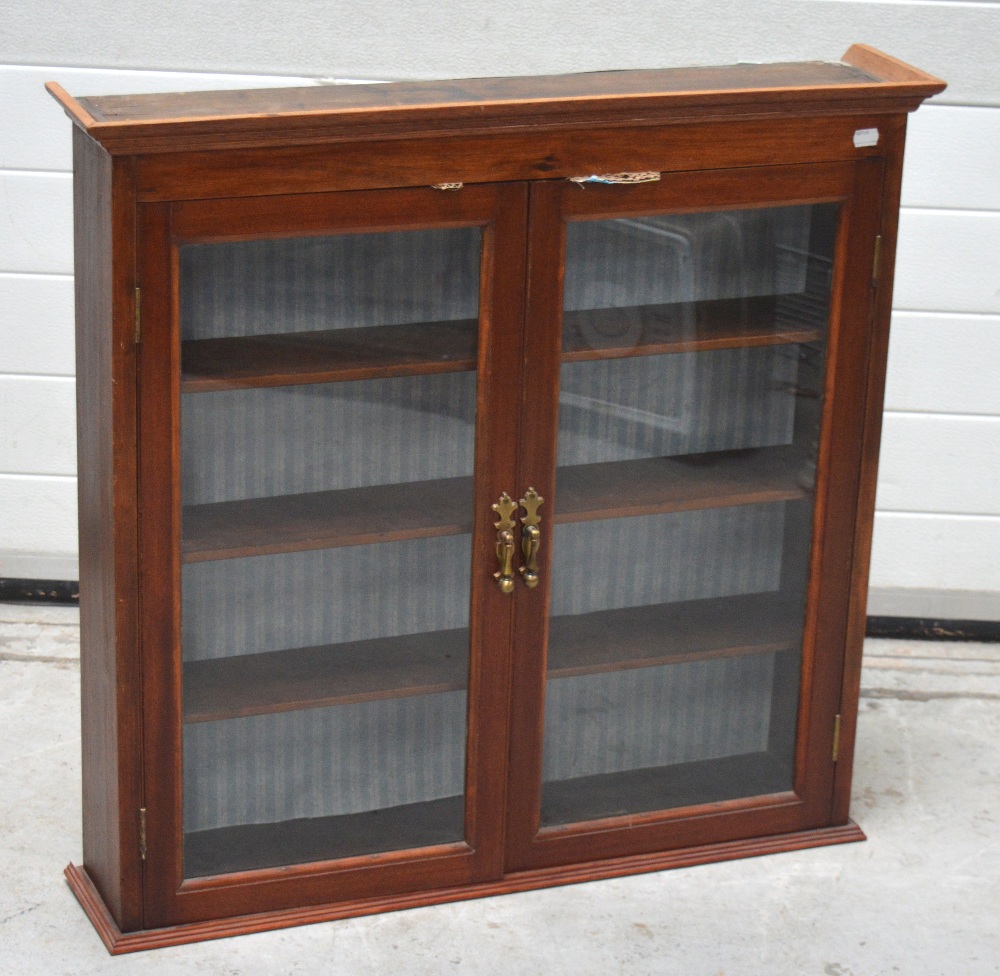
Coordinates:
x,y
531,537
504,576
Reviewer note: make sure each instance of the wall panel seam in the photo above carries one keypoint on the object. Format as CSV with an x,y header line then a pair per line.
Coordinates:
x,y
950,211
20,476
940,414
958,516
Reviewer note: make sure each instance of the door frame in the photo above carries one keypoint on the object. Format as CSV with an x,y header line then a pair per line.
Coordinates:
x,y
162,227
857,187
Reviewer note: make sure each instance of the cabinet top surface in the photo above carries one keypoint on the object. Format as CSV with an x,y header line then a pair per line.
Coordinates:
x,y
215,119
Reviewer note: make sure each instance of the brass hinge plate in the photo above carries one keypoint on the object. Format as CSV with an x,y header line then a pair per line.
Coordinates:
x,y
836,737
138,315
878,252
142,833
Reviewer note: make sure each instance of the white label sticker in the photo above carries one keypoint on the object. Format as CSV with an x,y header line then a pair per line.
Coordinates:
x,y
865,137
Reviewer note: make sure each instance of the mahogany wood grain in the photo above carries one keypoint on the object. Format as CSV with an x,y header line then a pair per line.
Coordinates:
x,y
524,154
874,394
828,597
330,674
683,483
118,942
218,120
436,662
250,847
372,99
329,355
671,633
104,242
321,519
428,509
159,582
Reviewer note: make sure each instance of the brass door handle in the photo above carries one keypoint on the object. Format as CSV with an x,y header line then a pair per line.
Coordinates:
x,y
504,576
531,537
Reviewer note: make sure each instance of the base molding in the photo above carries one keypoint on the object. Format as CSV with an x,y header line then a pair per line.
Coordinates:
x,y
118,942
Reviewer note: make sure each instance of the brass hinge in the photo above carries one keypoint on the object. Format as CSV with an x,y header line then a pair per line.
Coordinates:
x,y
878,251
142,833
836,736
138,317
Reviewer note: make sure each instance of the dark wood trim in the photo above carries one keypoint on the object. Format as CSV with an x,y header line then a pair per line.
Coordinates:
x,y
881,65
106,438
552,205
118,942
344,212
524,154
836,493
501,210
869,435
287,116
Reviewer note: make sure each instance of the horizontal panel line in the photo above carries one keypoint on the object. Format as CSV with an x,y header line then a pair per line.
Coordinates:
x,y
962,211
935,414
937,106
22,476
944,4
35,474
942,311
35,172
949,315
37,274
962,516
69,377
147,70
65,174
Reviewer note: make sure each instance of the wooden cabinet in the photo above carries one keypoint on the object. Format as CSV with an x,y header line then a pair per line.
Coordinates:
x,y
457,518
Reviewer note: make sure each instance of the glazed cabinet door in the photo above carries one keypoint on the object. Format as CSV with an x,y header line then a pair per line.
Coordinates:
x,y
695,355
326,383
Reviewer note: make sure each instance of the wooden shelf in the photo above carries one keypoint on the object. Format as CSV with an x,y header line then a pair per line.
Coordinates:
x,y
685,482
424,509
662,788
267,845
333,355
374,352
431,663
331,674
672,633
648,330
326,519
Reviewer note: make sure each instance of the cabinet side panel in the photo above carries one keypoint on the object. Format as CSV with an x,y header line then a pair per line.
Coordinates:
x,y
871,440
103,238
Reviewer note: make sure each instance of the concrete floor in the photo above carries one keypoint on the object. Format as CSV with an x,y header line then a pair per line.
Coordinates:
x,y
921,896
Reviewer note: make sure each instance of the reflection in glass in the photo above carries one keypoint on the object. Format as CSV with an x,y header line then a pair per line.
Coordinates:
x,y
690,402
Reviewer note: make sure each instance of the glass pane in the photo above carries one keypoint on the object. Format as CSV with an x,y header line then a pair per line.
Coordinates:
x,y
327,444
690,399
